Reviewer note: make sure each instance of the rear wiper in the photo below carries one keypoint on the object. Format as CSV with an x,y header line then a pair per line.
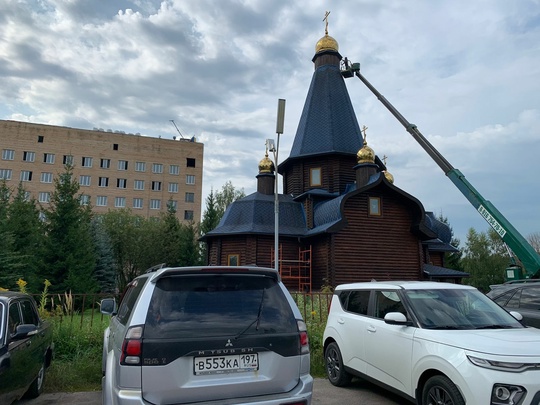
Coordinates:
x,y
256,320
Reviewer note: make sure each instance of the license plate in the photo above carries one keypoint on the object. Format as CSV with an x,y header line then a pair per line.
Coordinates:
x,y
236,363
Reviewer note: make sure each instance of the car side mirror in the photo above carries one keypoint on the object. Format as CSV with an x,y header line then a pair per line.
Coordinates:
x,y
396,318
23,331
516,315
108,306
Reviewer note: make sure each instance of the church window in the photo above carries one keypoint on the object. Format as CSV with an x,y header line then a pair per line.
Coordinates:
x,y
315,177
374,206
233,260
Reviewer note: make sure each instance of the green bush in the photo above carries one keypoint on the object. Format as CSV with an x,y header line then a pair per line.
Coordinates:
x,y
78,347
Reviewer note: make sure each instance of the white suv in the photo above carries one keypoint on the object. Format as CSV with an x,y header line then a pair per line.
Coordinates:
x,y
433,343
206,335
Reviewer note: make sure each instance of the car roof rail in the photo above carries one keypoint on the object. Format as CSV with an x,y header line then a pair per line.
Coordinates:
x,y
155,268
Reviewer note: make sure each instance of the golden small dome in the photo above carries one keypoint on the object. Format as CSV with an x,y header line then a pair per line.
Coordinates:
x,y
326,43
266,165
366,154
389,176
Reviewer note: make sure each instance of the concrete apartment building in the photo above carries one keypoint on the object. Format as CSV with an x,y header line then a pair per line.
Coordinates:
x,y
115,170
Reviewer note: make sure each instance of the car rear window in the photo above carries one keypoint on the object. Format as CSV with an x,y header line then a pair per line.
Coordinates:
x,y
217,304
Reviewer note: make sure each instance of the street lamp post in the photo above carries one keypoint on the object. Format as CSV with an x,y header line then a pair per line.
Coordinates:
x,y
275,149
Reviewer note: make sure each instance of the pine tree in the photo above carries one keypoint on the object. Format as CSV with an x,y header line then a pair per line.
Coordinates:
x,y
70,256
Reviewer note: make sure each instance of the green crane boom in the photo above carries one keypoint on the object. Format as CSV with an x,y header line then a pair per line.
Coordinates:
x,y
528,257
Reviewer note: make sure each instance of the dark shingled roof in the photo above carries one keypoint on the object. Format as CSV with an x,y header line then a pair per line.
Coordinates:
x,y
255,214
442,272
328,123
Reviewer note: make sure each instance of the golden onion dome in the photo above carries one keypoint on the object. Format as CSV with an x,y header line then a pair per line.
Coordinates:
x,y
366,154
266,165
326,43
389,176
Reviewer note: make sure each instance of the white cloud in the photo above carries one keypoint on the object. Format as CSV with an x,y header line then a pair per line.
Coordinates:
x,y
467,73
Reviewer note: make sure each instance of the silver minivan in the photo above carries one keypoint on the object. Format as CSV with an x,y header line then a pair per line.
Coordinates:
x,y
206,335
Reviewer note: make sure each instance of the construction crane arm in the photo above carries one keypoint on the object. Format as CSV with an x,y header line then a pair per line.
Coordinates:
x,y
513,239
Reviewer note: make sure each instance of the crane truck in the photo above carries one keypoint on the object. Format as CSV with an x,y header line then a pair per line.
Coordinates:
x,y
529,259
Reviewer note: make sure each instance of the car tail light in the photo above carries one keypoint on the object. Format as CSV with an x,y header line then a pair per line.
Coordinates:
x,y
304,339
132,347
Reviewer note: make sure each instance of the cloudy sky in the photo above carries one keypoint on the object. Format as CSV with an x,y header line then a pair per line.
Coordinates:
x,y
467,73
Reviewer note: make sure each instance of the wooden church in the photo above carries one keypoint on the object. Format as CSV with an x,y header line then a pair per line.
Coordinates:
x,y
341,218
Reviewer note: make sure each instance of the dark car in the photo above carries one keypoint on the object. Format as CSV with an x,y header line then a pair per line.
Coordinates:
x,y
25,347
523,297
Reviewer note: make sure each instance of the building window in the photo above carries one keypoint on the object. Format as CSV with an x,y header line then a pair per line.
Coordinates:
x,y
105,163
8,154
190,162
315,177
156,186
174,169
84,199
173,187
173,204
5,174
40,138
46,177
84,180
44,197
138,185
86,162
140,166
101,201
120,202
26,175
188,215
157,168
122,165
48,158
190,197
115,146
29,156
121,183
233,260
190,179
374,206
137,203
155,204
104,182
67,160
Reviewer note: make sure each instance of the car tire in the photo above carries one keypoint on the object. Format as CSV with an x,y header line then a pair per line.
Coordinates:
x,y
36,388
335,369
440,389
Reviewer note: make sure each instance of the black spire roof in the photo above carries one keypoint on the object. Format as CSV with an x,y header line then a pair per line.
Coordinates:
x,y
328,124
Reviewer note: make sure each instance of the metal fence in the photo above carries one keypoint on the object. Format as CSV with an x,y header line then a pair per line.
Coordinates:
x,y
82,310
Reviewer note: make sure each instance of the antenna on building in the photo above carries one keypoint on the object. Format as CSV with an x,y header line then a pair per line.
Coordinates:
x,y
181,136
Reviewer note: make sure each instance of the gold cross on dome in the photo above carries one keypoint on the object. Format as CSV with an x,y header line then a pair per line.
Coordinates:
x,y
364,129
326,19
384,159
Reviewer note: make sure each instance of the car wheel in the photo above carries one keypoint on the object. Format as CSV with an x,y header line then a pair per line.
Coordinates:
x,y
440,390
334,366
37,385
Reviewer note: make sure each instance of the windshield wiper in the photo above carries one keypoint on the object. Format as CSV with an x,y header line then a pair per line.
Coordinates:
x,y
446,327
256,320
495,326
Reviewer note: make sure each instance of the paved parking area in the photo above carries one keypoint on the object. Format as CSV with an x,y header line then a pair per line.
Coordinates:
x,y
324,393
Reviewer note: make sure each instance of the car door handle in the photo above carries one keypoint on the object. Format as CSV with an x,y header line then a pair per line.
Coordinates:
x,y
371,328
340,321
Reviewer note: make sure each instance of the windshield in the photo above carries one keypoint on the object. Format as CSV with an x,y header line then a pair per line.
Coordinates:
x,y
458,309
